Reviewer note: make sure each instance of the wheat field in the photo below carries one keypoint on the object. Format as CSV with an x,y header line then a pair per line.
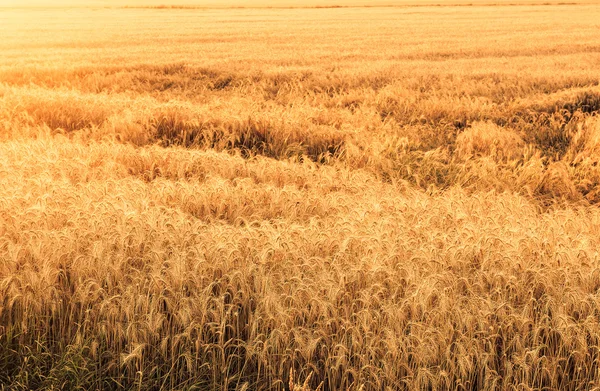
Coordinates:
x,y
299,197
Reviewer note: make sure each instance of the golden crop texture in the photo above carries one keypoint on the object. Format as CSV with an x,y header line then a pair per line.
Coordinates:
x,y
362,198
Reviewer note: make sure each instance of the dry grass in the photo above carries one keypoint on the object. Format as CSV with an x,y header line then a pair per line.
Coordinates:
x,y
300,199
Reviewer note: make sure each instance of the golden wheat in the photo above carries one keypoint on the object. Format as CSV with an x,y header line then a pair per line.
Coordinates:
x,y
375,198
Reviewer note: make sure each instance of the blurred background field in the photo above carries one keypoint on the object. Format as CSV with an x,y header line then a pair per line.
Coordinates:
x,y
271,3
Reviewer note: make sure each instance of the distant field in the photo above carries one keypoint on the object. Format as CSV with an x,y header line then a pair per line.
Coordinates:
x,y
267,199
274,3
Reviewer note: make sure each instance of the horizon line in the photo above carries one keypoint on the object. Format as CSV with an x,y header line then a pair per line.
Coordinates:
x,y
407,5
